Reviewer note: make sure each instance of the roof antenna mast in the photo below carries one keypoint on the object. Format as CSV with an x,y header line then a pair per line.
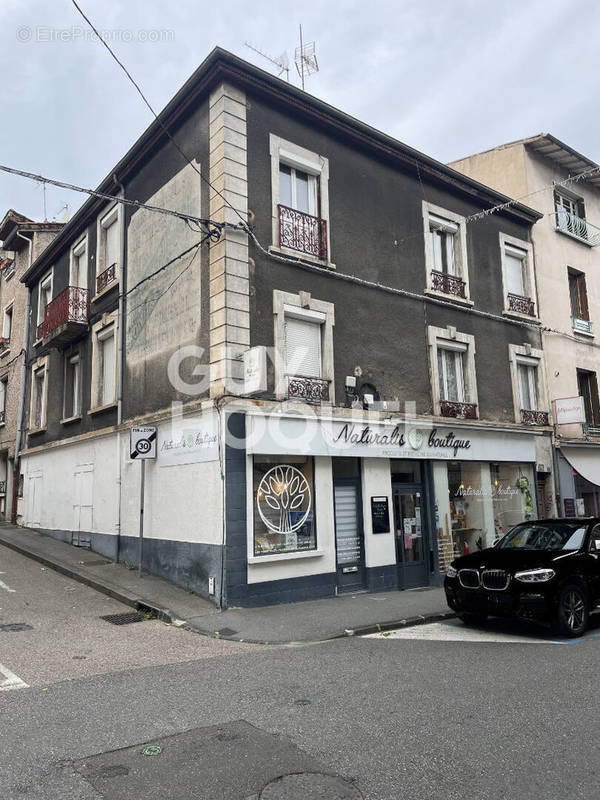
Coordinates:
x,y
282,63
306,59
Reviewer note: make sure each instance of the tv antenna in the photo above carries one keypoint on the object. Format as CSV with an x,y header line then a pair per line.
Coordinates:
x,y
282,63
43,185
306,59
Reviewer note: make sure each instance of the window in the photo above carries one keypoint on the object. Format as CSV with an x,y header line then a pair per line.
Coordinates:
x,y
79,264
452,367
445,252
303,348
518,277
104,364
570,215
588,389
72,391
580,314
451,374
109,245
300,198
3,393
529,385
7,324
284,520
39,384
44,295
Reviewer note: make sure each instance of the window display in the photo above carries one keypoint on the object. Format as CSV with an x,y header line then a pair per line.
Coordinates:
x,y
283,507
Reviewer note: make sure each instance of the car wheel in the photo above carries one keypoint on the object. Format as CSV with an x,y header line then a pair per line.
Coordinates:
x,y
472,618
573,611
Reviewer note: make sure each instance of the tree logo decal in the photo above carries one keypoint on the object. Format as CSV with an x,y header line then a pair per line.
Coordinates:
x,y
283,491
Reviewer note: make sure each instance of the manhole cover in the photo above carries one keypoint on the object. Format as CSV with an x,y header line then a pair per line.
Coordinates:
x,y
310,786
226,632
15,627
123,619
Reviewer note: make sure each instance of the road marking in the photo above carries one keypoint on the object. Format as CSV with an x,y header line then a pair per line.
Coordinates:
x,y
4,586
11,681
455,631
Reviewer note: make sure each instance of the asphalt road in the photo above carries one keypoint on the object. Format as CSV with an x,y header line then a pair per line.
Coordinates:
x,y
439,712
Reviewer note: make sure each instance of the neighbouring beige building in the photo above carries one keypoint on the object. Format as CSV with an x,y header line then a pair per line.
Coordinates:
x,y
565,186
22,242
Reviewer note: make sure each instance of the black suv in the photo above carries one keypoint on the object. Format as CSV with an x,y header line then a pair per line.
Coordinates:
x,y
546,569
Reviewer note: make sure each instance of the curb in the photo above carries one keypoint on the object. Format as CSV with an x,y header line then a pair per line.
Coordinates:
x,y
127,599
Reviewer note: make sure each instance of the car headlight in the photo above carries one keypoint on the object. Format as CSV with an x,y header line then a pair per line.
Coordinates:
x,y
535,575
451,572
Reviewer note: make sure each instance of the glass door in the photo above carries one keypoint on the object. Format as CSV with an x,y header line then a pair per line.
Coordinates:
x,y
411,537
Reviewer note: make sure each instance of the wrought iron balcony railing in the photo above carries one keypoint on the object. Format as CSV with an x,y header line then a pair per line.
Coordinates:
x,y
309,390
534,417
106,278
2,487
522,305
591,428
449,284
302,232
581,325
65,314
577,227
458,410
2,417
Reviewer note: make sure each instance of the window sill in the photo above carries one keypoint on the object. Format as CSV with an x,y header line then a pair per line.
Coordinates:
x,y
453,298
100,409
67,420
576,331
284,251
4,353
2,424
34,431
105,291
269,559
521,317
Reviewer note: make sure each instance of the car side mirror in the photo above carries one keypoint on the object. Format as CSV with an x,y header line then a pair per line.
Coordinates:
x,y
594,547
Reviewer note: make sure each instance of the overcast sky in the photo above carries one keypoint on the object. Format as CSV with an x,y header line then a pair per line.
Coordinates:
x,y
449,77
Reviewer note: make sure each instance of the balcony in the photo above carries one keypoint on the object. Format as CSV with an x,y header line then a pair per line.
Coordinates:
x,y
449,284
521,305
308,390
449,408
582,326
577,227
302,232
65,318
534,417
106,278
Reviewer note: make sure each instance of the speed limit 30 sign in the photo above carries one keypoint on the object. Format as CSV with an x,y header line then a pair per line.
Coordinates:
x,y
143,442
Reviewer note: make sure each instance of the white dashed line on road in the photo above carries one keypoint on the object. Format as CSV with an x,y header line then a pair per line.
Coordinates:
x,y
11,681
5,587
455,631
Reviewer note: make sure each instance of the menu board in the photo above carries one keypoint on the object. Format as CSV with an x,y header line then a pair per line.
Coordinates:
x,y
380,515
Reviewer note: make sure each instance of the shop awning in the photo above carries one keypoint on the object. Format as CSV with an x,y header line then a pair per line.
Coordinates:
x,y
585,460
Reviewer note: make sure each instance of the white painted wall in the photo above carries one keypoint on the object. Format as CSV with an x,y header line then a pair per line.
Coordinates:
x,y
276,567
380,548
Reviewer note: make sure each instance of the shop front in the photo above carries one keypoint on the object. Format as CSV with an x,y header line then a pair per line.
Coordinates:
x,y
579,479
348,505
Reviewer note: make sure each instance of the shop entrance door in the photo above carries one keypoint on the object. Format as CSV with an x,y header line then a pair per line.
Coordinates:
x,y
349,539
412,550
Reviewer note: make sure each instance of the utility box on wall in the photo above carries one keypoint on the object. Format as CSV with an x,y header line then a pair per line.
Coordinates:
x,y
255,370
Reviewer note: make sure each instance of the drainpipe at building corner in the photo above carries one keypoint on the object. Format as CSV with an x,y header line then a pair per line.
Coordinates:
x,y
24,371
121,350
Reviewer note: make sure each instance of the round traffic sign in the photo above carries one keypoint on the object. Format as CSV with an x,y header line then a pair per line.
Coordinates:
x,y
143,446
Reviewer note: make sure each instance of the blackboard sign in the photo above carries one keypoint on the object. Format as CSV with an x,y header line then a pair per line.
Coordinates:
x,y
380,515
569,507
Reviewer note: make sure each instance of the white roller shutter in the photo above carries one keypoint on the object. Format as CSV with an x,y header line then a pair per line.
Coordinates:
x,y
302,347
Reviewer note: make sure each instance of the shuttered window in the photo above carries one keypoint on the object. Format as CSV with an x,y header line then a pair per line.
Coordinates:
x,y
515,271
303,348
106,345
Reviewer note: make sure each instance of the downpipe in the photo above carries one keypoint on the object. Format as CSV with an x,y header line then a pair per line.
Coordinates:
x,y
121,348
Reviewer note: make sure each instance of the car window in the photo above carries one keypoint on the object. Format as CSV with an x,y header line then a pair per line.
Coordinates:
x,y
545,536
595,539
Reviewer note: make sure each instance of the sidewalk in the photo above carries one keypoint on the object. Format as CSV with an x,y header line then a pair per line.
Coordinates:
x,y
311,621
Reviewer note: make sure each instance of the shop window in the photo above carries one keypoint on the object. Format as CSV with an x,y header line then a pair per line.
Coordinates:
x,y
452,366
300,196
284,497
513,496
588,389
518,277
445,252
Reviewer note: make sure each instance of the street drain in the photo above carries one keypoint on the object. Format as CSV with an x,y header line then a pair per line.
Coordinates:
x,y
310,786
127,618
15,627
226,632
